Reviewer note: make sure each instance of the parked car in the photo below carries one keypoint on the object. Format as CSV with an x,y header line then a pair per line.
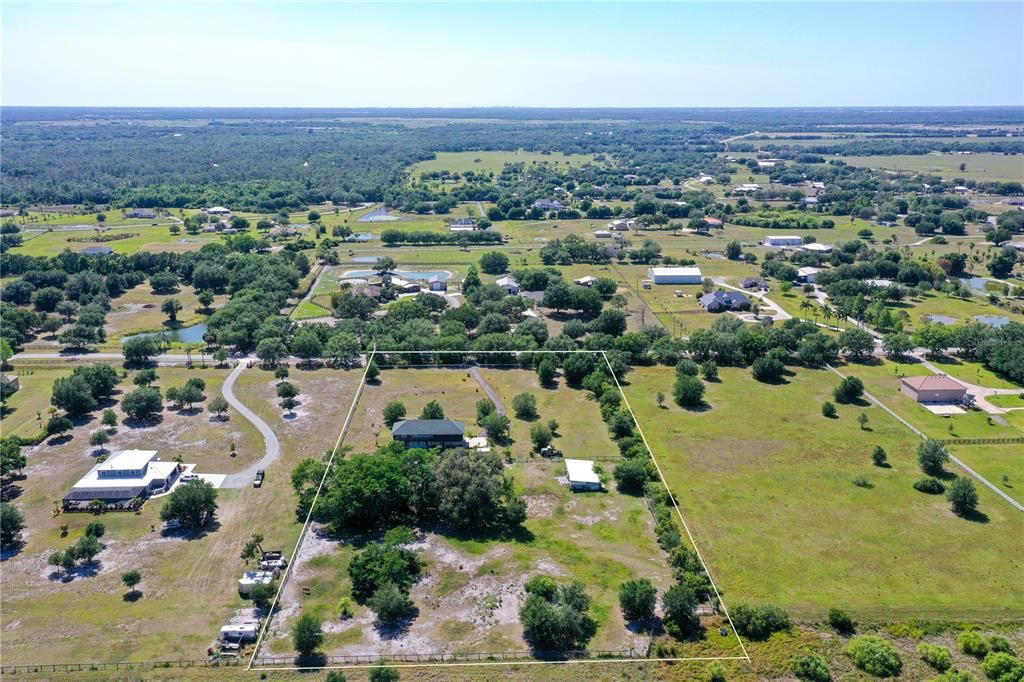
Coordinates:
x,y
188,478
273,560
258,481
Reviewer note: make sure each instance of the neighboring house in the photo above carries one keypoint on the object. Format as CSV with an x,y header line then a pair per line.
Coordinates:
x,y
546,205
437,284
718,301
12,381
767,164
429,433
581,475
675,275
102,250
125,476
747,187
1017,246
705,178
620,225
783,240
807,275
752,283
282,231
960,189
141,213
405,286
712,222
811,201
587,281
508,284
880,283
371,291
217,210
934,388
815,247
462,225
602,234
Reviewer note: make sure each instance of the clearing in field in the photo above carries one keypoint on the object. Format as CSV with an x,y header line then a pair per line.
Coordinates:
x,y
980,167
469,598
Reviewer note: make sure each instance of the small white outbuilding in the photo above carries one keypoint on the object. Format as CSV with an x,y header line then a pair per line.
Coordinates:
x,y
581,475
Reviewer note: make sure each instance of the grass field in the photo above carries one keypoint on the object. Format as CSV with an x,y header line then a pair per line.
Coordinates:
x,y
766,484
494,162
147,239
138,310
980,167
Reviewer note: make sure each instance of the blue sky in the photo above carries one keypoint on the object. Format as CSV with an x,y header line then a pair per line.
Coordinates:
x,y
524,54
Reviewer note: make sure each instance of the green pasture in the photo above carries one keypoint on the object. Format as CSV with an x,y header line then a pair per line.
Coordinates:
x,y
980,167
494,161
766,485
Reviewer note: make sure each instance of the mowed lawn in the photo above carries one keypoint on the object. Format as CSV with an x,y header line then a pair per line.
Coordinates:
x,y
493,161
765,483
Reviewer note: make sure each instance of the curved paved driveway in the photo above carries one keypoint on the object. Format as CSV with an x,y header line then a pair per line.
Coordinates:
x,y
273,451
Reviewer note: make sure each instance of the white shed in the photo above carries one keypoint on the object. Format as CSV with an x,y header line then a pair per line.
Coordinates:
x,y
250,579
675,275
581,475
783,240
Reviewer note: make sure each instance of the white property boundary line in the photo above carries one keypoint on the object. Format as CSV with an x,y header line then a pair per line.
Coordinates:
x,y
675,505
309,514
344,430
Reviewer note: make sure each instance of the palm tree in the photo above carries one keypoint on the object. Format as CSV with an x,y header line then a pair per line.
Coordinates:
x,y
805,305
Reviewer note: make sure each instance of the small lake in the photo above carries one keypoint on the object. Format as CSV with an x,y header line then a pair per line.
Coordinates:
x,y
714,254
379,215
193,334
993,320
405,274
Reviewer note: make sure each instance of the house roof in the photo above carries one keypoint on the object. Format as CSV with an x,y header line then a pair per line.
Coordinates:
x,y
581,471
127,460
804,272
728,298
933,382
815,246
506,281
410,428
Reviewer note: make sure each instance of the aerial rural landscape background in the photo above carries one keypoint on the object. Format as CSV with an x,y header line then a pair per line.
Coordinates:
x,y
512,341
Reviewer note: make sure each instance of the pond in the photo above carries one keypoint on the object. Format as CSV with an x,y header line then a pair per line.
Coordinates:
x,y
714,254
993,320
193,334
379,215
405,274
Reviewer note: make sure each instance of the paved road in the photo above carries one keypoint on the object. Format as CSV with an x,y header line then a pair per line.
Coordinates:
x,y
273,446
952,457
480,208
495,398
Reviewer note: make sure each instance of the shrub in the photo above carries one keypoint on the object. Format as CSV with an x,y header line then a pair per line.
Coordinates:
x,y
525,406
709,370
390,604
540,436
95,529
631,476
393,412
931,456
997,643
689,391
937,657
812,669
637,599
875,656
767,369
379,564
962,496
861,481
716,673
687,367
932,486
1003,667
558,622
384,674
262,594
953,675
973,644
848,390
679,604
840,621
878,456
828,410
759,622
307,635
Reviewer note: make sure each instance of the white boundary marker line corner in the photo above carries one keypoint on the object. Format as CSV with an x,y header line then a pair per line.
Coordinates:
x,y
309,514
344,430
675,505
